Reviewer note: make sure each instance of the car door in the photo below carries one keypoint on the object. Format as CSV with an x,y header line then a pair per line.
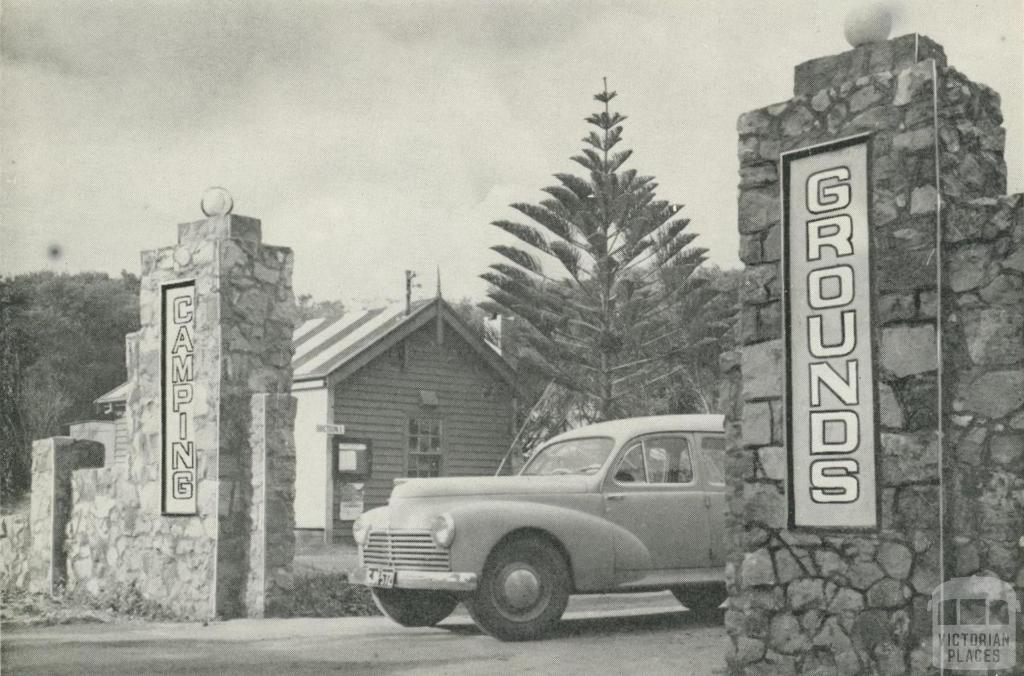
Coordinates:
x,y
712,450
653,492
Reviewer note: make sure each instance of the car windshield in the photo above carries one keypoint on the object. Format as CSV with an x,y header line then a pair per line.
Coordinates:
x,y
575,456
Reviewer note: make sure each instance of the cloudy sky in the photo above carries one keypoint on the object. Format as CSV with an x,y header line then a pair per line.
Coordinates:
x,y
378,136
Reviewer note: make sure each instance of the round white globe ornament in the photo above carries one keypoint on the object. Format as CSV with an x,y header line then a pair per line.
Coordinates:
x,y
869,23
182,256
217,202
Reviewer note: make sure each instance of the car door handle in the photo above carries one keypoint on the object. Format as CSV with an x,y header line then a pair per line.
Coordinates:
x,y
615,496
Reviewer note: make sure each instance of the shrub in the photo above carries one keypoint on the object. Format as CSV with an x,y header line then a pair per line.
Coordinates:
x,y
326,595
126,602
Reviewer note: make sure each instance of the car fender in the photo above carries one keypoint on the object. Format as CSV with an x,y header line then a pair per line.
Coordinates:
x,y
592,543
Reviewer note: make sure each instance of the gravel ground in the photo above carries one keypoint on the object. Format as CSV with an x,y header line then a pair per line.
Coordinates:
x,y
647,634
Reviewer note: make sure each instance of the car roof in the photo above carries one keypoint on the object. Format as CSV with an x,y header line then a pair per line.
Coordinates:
x,y
627,428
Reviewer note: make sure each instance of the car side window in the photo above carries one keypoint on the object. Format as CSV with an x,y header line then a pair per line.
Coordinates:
x,y
668,460
631,468
656,459
713,448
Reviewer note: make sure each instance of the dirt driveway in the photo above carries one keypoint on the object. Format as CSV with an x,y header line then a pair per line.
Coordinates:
x,y
646,634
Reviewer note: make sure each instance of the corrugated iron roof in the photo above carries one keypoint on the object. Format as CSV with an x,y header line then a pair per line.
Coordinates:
x,y
332,343
119,393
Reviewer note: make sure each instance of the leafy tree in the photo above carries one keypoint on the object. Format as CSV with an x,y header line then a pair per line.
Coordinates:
x,y
61,346
703,319
605,288
312,309
472,315
15,349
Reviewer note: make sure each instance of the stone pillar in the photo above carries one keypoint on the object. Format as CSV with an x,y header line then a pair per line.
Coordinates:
x,y
272,509
244,313
194,561
983,339
820,601
53,461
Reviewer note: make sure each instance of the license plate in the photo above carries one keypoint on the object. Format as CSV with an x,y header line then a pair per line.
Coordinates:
x,y
379,577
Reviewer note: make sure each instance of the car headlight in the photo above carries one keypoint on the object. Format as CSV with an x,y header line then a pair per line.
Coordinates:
x,y
360,530
442,529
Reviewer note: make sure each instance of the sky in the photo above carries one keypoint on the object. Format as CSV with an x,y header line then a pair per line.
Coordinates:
x,y
375,137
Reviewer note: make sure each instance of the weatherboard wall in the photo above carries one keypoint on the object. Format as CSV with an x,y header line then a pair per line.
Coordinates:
x,y
310,447
475,405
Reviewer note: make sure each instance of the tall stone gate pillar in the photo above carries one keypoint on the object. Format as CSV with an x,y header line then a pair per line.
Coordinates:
x,y
241,321
874,412
198,516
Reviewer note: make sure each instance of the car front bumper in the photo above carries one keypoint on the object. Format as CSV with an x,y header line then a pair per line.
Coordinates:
x,y
421,579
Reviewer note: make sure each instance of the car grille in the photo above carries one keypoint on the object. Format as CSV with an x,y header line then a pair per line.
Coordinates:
x,y
404,550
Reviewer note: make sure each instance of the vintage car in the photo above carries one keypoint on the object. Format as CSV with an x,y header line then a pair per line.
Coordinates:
x,y
620,506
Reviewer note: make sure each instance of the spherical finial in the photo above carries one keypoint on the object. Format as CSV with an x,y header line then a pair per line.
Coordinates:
x,y
868,23
217,202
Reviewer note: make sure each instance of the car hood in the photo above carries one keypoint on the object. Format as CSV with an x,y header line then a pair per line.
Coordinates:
x,y
485,485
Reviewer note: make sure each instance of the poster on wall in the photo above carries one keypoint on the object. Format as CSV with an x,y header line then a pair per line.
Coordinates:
x,y
830,377
350,506
177,385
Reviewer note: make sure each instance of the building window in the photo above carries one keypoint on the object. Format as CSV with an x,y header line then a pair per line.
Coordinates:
x,y
424,447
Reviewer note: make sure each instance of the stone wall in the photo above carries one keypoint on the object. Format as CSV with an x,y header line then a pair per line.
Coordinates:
x,y
54,461
15,548
984,337
117,539
828,602
272,517
195,566
101,431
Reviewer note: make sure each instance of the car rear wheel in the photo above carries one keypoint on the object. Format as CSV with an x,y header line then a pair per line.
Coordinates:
x,y
704,598
523,591
414,607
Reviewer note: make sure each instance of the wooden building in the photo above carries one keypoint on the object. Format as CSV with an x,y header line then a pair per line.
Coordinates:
x,y
417,387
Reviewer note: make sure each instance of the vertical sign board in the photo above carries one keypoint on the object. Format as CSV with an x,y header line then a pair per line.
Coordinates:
x,y
831,414
177,384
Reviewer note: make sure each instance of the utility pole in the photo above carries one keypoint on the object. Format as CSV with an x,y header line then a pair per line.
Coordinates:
x,y
439,324
409,276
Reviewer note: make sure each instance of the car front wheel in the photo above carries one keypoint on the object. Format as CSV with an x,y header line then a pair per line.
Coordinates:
x,y
414,607
523,591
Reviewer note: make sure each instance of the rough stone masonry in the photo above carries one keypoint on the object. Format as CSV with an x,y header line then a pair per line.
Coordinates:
x,y
228,558
948,279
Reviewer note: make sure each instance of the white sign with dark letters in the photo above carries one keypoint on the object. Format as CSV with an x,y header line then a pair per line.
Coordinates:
x,y
830,387
177,374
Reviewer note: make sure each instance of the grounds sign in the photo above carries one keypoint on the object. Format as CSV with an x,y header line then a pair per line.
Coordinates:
x,y
830,392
